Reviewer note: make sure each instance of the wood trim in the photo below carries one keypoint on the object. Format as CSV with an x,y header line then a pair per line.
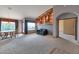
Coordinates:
x,y
49,11
76,31
10,20
7,19
47,15
68,18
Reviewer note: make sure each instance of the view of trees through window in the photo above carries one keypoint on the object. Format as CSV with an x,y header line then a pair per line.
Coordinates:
x,y
7,26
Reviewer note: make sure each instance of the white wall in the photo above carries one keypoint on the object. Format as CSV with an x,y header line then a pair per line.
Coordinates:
x,y
46,26
20,26
59,9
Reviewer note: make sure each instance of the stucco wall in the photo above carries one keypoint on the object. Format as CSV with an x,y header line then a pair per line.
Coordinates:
x,y
59,9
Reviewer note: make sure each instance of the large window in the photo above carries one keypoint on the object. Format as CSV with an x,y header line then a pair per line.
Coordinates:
x,y
7,26
31,26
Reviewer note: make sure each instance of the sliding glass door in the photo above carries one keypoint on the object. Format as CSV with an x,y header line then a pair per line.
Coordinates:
x,y
31,26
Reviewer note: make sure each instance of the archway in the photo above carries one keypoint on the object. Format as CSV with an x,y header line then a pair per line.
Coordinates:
x,y
69,21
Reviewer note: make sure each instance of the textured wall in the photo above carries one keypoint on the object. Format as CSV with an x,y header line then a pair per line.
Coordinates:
x,y
59,9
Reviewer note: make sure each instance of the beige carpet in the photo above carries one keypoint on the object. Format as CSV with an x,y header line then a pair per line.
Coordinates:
x,y
37,44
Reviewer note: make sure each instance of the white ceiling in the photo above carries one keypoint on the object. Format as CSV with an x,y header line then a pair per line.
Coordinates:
x,y
22,11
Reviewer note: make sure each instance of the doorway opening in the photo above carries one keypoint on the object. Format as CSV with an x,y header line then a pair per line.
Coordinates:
x,y
67,26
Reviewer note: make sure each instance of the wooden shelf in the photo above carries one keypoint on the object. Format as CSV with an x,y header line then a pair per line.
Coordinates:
x,y
46,18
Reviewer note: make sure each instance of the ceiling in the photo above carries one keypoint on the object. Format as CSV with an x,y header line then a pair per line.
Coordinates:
x,y
22,11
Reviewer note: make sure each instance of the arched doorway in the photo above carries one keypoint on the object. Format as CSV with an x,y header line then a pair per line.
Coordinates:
x,y
67,25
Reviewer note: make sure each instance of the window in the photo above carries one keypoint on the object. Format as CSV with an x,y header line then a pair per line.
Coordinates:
x,y
7,26
23,26
31,26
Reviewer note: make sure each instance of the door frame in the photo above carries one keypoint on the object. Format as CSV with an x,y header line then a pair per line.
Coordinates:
x,y
76,22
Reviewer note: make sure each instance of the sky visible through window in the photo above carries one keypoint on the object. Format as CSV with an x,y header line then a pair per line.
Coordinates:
x,y
31,26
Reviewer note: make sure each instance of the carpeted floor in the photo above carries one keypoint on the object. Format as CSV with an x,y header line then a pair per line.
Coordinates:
x,y
37,44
